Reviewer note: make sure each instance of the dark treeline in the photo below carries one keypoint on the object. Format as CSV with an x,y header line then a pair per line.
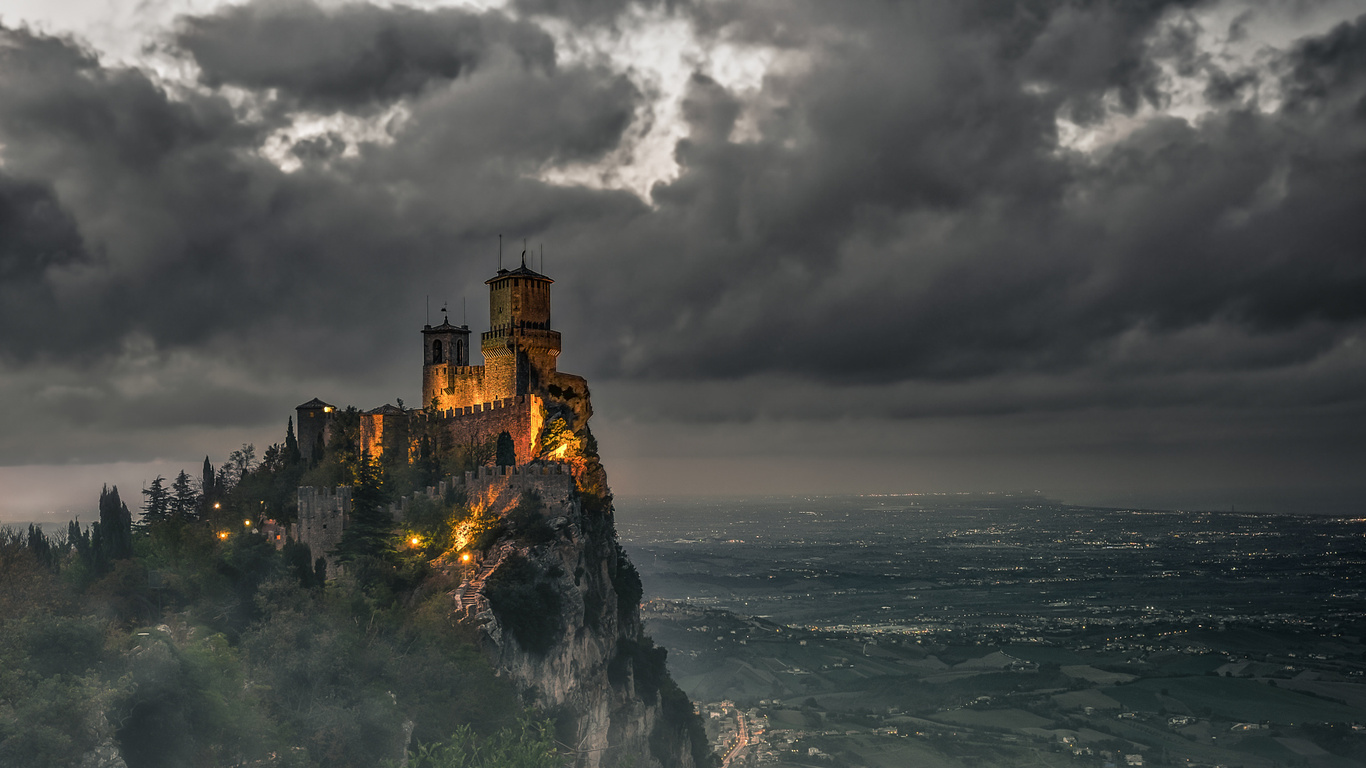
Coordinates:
x,y
184,637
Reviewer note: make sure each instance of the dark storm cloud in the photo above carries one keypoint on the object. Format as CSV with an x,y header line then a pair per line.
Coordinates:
x,y
890,229
154,256
908,214
355,56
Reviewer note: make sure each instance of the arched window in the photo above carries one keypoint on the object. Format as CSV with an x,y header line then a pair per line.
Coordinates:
x,y
436,353
460,352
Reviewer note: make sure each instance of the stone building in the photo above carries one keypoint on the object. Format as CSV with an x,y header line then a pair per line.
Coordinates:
x,y
514,391
517,390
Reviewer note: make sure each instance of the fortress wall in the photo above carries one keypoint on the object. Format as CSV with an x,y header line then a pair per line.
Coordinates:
x,y
399,510
454,386
521,416
499,488
381,433
323,513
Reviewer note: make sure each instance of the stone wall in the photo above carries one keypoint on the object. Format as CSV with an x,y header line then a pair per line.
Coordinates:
x,y
455,386
499,488
323,513
521,417
384,430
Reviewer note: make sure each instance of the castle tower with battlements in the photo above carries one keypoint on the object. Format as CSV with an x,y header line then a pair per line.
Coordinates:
x,y
519,348
517,390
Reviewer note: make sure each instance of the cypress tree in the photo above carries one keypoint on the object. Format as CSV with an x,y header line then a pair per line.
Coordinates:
x,y
292,455
112,536
208,488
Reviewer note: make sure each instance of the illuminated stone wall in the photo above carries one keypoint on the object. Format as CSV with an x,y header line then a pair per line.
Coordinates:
x,y
384,430
521,417
498,488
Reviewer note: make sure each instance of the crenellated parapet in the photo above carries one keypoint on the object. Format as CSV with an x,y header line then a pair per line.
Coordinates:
x,y
522,417
399,509
323,515
499,488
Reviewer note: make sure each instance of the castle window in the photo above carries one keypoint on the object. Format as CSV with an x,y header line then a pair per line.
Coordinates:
x,y
436,352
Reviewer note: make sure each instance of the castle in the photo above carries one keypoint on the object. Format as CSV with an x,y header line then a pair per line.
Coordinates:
x,y
514,391
517,391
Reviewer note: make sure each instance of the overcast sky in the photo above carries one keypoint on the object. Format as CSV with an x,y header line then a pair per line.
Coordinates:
x,y
1115,252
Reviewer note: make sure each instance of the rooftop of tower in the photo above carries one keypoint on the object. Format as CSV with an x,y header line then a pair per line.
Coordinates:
x,y
522,271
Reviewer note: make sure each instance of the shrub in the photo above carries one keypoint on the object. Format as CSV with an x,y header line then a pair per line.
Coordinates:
x,y
525,605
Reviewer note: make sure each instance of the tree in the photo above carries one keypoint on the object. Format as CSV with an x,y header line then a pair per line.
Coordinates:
x,y
184,500
366,538
112,537
292,455
208,488
239,463
156,503
507,452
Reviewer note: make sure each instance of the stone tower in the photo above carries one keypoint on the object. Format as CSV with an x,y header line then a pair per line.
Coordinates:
x,y
445,352
519,347
313,419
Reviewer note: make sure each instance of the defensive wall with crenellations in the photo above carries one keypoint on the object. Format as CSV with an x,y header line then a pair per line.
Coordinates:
x,y
325,512
521,417
499,488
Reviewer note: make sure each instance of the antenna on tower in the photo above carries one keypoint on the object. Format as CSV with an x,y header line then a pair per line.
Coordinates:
x,y
464,322
429,309
500,253
543,258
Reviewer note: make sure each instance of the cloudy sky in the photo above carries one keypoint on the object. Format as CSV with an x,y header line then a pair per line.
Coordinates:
x,y
1112,251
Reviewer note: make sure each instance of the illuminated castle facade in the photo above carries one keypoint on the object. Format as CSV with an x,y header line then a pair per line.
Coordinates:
x,y
517,390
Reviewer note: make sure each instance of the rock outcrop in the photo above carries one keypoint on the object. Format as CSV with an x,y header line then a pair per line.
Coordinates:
x,y
557,603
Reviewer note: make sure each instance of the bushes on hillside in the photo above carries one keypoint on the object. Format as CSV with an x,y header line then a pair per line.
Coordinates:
x,y
527,605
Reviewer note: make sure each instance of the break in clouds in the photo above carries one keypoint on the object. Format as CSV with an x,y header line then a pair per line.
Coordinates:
x,y
914,211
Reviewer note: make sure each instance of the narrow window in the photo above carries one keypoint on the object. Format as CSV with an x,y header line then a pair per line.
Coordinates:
x,y
436,353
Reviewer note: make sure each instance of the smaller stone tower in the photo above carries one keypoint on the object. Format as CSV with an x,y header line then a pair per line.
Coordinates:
x,y
445,350
314,418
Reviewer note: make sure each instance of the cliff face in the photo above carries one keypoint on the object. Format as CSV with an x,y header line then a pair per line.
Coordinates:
x,y
557,604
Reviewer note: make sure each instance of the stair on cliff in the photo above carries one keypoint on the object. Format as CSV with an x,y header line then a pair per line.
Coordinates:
x,y
469,596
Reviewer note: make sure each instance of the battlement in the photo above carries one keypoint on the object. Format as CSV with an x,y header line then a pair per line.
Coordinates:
x,y
480,408
499,488
323,515
521,417
399,509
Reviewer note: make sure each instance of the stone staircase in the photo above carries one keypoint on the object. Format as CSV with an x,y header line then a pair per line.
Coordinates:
x,y
469,596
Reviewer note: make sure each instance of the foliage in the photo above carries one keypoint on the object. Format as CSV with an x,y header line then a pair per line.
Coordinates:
x,y
526,605
528,745
156,504
527,519
626,583
197,650
556,435
183,503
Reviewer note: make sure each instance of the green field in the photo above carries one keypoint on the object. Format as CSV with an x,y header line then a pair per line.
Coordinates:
x,y
994,718
1233,699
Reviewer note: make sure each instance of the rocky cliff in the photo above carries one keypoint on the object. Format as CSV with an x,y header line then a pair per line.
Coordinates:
x,y
557,604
